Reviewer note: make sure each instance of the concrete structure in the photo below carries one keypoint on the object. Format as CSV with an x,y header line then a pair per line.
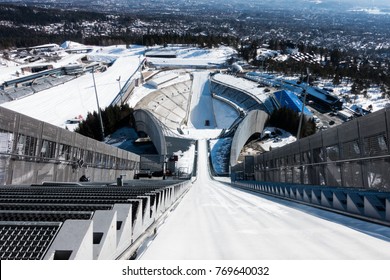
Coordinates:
x,y
158,82
147,123
170,105
82,222
353,154
32,151
253,123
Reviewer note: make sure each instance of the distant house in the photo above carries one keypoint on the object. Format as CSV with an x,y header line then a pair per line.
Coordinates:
x,y
292,51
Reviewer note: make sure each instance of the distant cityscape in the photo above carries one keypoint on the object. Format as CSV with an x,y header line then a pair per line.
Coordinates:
x,y
308,24
343,39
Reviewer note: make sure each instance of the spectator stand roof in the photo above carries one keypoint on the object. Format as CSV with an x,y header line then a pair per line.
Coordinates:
x,y
290,100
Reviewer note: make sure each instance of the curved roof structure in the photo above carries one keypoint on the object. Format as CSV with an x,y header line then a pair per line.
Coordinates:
x,y
252,123
157,131
146,122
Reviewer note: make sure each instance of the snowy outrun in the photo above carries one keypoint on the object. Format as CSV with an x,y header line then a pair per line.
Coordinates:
x,y
216,221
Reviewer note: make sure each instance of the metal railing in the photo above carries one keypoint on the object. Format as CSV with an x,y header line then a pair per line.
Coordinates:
x,y
373,206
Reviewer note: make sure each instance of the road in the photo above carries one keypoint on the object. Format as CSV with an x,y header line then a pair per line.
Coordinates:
x,y
216,221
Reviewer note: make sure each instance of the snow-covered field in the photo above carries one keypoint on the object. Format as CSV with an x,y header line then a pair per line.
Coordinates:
x,y
77,97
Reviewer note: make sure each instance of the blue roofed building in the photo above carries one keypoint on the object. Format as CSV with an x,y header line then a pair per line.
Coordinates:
x,y
288,99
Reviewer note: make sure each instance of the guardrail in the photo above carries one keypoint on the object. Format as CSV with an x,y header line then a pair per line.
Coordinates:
x,y
128,87
373,206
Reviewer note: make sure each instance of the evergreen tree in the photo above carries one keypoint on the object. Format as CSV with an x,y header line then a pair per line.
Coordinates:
x,y
114,117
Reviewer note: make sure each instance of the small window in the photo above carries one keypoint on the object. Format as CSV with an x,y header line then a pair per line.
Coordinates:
x,y
48,149
97,237
62,255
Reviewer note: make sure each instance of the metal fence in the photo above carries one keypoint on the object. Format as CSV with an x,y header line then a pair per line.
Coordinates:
x,y
32,151
354,154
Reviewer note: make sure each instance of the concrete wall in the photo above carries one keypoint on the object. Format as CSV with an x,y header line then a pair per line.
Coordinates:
x,y
32,151
147,123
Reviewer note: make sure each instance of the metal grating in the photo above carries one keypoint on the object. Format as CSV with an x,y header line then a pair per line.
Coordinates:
x,y
53,207
26,241
351,150
41,216
376,145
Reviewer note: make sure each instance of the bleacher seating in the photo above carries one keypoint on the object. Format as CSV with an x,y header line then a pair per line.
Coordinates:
x,y
46,208
14,93
242,100
169,104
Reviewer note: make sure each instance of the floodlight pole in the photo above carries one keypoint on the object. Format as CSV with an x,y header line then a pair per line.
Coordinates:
x,y
97,102
303,106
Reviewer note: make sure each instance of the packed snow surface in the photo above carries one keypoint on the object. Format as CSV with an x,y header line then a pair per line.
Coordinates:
x,y
77,97
216,221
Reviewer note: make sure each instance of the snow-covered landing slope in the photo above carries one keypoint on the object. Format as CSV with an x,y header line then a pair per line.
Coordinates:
x,y
215,221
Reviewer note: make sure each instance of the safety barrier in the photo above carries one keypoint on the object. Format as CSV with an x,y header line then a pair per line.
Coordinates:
x,y
359,203
354,154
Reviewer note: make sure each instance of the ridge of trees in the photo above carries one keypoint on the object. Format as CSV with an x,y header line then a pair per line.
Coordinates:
x,y
114,117
289,119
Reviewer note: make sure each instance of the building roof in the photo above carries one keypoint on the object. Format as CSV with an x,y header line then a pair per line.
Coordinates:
x,y
322,95
290,100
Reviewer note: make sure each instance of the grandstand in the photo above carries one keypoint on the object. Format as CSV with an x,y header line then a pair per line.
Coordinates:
x,y
243,93
105,219
169,104
32,86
